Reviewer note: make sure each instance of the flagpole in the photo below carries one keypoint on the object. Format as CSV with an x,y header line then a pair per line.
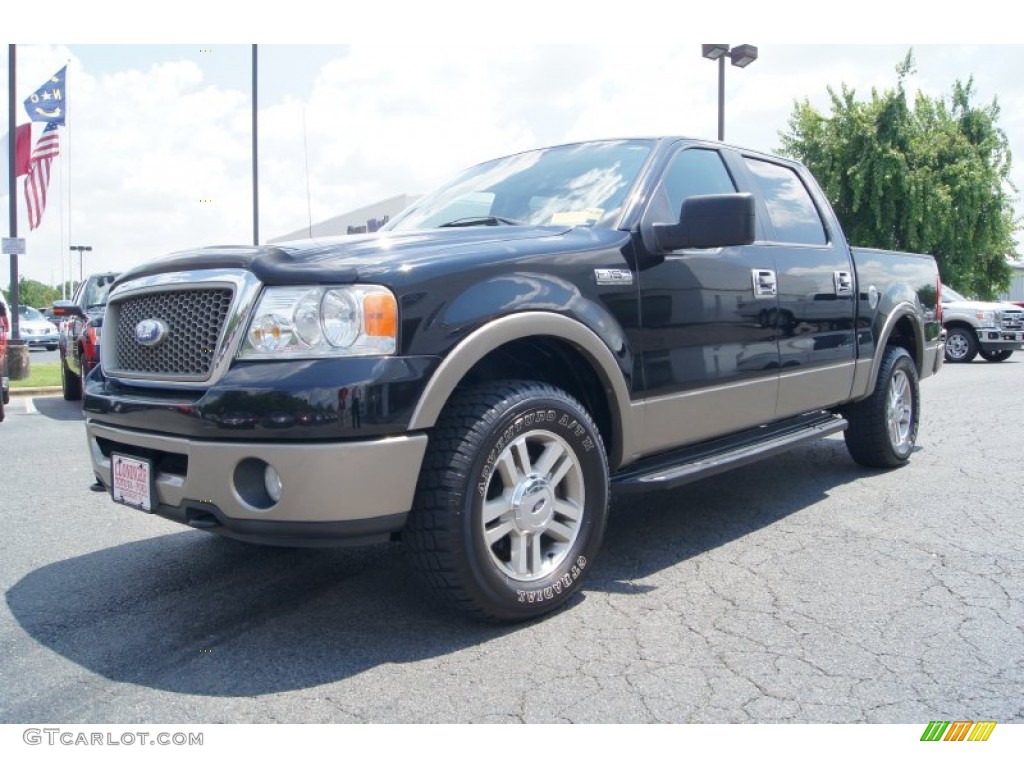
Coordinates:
x,y
255,164
12,189
67,124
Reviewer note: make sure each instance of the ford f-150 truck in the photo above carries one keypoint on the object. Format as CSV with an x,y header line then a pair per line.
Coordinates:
x,y
476,375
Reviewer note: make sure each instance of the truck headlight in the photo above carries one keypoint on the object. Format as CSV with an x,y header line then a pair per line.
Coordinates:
x,y
986,317
318,321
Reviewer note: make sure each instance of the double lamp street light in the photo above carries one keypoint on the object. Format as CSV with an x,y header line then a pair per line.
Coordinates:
x,y
741,56
81,256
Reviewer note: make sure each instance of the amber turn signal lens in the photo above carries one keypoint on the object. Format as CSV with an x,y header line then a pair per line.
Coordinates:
x,y
380,315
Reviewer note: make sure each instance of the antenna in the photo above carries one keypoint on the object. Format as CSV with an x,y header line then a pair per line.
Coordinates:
x,y
305,149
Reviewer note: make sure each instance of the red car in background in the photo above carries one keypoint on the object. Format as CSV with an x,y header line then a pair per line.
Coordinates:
x,y
80,331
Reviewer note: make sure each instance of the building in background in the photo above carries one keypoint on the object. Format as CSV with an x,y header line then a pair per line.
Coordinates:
x,y
1016,292
367,219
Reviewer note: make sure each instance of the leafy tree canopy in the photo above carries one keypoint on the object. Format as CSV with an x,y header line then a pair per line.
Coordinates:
x,y
35,294
932,176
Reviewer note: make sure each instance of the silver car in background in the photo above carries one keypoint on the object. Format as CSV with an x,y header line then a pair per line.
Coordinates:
x,y
36,330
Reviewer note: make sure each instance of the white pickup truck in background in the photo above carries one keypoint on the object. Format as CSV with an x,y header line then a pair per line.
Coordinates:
x,y
991,329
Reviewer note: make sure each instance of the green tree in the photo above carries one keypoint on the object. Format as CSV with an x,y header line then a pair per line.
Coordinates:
x,y
932,176
35,294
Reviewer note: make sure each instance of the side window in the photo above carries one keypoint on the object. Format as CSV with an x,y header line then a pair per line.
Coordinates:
x,y
692,172
792,212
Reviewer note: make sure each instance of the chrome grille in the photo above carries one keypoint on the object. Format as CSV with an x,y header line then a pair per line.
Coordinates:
x,y
1012,320
194,318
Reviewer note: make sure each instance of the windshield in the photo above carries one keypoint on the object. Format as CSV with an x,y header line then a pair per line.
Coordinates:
x,y
573,185
30,313
96,291
948,294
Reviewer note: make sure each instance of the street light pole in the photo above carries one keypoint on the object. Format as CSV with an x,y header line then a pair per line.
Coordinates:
x,y
741,56
81,257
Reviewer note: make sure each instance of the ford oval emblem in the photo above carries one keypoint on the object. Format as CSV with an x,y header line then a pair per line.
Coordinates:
x,y
149,333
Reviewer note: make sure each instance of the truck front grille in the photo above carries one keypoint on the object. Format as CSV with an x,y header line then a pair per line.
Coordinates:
x,y
195,319
1012,321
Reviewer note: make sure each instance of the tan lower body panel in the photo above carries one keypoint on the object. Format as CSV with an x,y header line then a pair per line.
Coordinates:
x,y
321,482
805,390
669,422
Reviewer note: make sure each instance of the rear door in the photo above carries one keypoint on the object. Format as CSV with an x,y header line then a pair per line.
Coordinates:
x,y
816,289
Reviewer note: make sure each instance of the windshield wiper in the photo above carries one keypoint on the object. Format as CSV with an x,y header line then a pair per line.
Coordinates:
x,y
480,221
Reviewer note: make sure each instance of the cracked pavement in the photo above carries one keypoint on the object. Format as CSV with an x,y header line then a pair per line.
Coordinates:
x,y
802,589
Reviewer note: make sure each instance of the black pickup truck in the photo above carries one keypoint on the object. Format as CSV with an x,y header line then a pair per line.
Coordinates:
x,y
473,377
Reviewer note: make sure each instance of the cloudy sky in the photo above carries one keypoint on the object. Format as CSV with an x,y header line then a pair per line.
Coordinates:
x,y
157,153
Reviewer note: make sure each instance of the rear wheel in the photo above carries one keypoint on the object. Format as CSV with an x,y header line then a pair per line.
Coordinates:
x,y
961,345
996,357
883,428
70,383
512,500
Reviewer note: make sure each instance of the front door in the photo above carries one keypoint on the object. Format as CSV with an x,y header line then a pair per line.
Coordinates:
x,y
709,353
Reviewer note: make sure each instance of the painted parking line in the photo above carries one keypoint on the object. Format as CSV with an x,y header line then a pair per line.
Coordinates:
x,y
30,405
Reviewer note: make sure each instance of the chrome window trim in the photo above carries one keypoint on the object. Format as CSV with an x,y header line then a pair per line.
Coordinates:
x,y
246,289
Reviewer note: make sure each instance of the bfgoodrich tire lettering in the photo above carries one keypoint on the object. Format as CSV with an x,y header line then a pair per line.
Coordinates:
x,y
883,428
512,501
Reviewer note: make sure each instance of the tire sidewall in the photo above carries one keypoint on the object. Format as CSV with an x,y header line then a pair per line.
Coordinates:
x,y
531,411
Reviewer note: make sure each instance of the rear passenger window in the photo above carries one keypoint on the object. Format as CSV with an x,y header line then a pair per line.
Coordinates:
x,y
792,212
692,172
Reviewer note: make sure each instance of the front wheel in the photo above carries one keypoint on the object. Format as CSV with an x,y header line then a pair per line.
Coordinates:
x,y
961,345
996,357
883,427
511,502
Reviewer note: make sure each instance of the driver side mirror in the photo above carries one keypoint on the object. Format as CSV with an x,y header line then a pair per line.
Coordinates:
x,y
710,221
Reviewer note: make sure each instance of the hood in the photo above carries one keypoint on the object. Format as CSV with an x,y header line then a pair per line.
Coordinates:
x,y
38,326
982,306
350,258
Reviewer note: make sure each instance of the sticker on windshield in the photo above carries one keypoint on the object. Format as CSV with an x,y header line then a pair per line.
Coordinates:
x,y
582,218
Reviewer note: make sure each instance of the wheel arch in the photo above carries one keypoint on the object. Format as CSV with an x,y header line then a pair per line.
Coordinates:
x,y
960,324
902,328
546,347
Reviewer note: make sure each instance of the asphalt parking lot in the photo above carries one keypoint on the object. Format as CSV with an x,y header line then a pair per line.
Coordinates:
x,y
803,589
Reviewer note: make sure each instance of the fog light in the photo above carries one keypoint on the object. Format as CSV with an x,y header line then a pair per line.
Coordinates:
x,y
272,481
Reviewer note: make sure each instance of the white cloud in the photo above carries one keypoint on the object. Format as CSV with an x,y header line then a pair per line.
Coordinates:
x,y
152,140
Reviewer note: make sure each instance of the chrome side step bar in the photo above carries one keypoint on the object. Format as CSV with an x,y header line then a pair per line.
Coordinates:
x,y
710,458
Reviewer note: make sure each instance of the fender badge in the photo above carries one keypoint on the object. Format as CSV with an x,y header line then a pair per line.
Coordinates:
x,y
613,276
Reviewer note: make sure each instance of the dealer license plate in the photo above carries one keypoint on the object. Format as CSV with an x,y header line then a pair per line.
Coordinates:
x,y
132,481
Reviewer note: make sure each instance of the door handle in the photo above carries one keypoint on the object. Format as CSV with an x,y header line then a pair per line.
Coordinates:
x,y
843,282
764,282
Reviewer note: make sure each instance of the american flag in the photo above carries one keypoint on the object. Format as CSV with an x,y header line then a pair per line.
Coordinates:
x,y
38,179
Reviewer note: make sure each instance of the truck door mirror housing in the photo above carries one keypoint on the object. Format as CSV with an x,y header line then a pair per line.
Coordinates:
x,y
709,221
67,309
